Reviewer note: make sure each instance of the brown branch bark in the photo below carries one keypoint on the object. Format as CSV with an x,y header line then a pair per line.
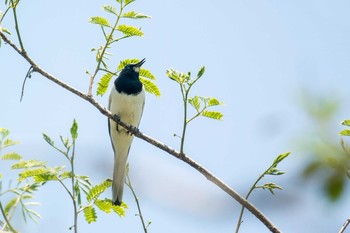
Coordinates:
x,y
211,177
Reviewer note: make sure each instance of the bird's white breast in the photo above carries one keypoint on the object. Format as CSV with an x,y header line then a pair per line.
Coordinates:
x,y
128,107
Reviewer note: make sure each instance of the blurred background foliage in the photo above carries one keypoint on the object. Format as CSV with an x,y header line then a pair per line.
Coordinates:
x,y
327,155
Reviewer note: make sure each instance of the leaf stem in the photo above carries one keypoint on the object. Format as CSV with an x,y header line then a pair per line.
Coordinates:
x,y
108,40
239,222
6,220
74,195
184,92
128,183
16,24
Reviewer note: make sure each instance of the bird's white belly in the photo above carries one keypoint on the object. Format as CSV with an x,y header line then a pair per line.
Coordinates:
x,y
128,107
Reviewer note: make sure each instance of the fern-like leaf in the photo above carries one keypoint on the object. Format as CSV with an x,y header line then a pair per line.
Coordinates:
x,y
120,210
10,205
127,2
30,173
110,9
104,205
125,62
28,164
194,102
346,122
129,30
48,140
98,189
150,87
90,214
147,74
102,85
11,156
135,15
345,132
213,115
100,21
213,102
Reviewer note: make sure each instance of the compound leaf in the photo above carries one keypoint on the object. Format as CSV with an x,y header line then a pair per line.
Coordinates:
x,y
102,85
150,87
100,21
90,214
129,30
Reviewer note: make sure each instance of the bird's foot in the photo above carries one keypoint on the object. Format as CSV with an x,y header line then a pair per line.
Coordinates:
x,y
133,130
117,120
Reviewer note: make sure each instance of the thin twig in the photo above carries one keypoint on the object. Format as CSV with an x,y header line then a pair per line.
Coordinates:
x,y
345,225
128,183
211,177
239,222
14,8
28,75
6,220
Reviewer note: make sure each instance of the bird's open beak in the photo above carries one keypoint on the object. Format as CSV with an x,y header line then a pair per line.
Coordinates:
x,y
140,63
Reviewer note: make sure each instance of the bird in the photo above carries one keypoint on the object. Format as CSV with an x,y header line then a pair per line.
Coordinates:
x,y
126,100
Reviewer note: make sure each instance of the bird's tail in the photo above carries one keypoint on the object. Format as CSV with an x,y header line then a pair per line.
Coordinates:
x,y
119,177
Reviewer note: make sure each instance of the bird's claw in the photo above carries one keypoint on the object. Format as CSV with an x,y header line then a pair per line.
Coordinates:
x,y
117,120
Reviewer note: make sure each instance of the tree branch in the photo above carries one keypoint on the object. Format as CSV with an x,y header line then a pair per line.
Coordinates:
x,y
211,177
345,225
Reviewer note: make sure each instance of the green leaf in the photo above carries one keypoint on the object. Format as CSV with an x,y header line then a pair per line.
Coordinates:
x,y
28,164
270,186
201,72
120,210
127,2
31,173
90,214
334,186
146,74
102,85
74,130
129,30
281,157
346,122
195,102
110,9
48,140
4,132
274,171
104,205
177,76
345,132
125,62
100,21
10,205
5,30
150,87
66,175
95,191
135,15
213,115
8,142
11,156
211,101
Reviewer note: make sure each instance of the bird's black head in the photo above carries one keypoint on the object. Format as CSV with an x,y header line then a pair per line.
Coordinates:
x,y
132,70
128,80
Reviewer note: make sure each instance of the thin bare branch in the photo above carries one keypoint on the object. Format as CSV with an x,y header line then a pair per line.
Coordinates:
x,y
345,225
211,177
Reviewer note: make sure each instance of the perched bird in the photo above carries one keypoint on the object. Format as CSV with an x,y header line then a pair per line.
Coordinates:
x,y
127,99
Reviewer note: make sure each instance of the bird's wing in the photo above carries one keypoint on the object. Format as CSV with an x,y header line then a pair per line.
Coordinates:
x,y
109,124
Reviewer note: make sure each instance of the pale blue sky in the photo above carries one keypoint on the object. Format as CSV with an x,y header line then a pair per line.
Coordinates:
x,y
259,56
